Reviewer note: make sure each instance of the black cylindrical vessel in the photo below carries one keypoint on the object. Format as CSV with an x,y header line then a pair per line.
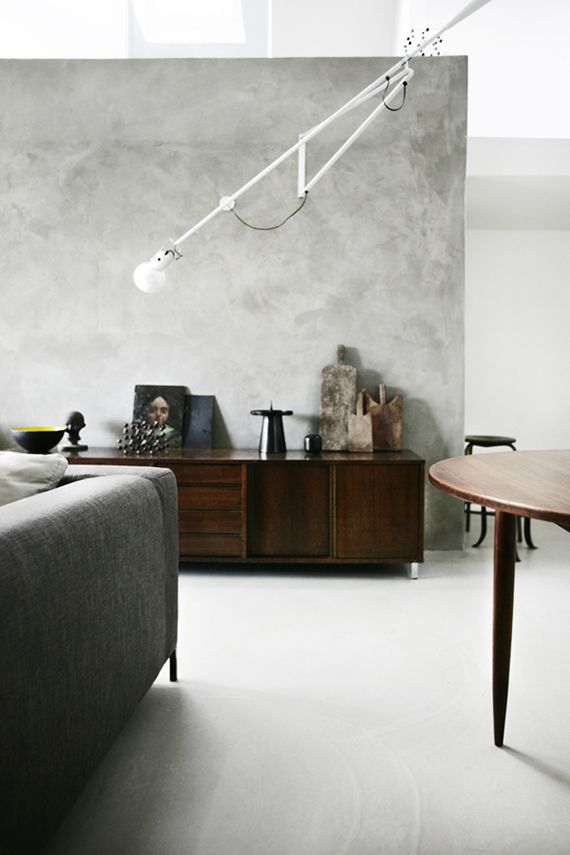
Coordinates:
x,y
272,438
313,443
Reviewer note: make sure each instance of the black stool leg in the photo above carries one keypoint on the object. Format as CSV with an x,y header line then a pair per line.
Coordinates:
x,y
527,536
519,528
483,526
467,507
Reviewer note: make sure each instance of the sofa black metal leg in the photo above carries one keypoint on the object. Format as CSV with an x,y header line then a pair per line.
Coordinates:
x,y
173,668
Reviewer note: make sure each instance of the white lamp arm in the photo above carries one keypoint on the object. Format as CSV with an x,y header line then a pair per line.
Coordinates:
x,y
471,7
149,276
360,130
227,202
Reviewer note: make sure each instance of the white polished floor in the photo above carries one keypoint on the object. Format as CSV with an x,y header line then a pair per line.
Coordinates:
x,y
328,715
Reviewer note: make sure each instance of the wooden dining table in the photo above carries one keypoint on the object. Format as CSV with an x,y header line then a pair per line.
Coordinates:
x,y
533,484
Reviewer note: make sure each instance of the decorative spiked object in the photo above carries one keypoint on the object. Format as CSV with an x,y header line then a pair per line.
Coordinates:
x,y
143,438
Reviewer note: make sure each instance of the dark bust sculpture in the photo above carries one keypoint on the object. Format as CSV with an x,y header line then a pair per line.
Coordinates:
x,y
74,424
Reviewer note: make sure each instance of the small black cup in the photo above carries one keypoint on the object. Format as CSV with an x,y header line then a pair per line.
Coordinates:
x,y
313,443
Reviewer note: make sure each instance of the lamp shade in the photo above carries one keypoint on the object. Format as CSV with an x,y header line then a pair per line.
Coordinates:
x,y
148,279
149,276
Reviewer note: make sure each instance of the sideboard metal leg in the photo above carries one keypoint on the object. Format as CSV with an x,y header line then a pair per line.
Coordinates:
x,y
414,570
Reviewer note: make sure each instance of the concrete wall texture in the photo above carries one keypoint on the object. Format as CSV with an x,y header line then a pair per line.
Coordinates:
x,y
102,160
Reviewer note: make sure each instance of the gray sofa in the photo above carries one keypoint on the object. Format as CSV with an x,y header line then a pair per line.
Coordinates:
x,y
88,617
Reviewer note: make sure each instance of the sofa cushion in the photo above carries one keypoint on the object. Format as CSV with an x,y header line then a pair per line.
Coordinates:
x,y
23,475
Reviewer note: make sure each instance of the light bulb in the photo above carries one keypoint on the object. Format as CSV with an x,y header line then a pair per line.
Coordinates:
x,y
148,279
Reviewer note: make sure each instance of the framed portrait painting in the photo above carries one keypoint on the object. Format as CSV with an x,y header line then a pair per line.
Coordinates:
x,y
164,407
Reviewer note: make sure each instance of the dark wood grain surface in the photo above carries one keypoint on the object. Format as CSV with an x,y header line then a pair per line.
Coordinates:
x,y
238,455
289,511
527,483
377,513
336,507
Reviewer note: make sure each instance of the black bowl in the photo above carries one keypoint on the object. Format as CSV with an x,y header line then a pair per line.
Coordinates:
x,y
38,440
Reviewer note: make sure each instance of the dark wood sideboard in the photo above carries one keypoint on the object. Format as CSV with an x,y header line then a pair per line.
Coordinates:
x,y
329,508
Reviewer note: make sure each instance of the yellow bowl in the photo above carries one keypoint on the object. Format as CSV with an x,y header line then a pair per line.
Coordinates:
x,y
38,440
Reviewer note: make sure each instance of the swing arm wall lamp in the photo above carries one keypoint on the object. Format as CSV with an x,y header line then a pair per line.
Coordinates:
x,y
150,275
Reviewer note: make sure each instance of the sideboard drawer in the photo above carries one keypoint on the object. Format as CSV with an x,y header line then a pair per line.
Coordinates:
x,y
210,498
204,545
208,521
207,473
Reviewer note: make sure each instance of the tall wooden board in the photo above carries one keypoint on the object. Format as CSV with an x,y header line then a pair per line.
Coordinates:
x,y
338,399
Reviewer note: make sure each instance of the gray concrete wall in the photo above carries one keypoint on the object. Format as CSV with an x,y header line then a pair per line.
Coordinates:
x,y
101,161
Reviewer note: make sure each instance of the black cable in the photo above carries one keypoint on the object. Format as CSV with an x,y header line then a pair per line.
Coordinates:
x,y
394,109
278,226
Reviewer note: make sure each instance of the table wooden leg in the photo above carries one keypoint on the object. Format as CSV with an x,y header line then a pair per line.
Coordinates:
x,y
503,593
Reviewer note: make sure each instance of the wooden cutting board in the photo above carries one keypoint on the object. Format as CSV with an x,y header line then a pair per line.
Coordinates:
x,y
386,420
360,427
338,397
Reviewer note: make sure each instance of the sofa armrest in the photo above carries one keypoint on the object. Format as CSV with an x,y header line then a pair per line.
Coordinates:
x,y
164,482
84,625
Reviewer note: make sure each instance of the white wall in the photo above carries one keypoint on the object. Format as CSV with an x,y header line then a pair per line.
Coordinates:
x,y
518,63
517,339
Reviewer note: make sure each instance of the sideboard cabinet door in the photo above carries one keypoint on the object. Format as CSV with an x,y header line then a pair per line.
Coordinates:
x,y
378,511
289,510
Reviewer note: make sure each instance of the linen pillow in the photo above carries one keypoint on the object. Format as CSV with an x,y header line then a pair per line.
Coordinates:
x,y
23,475
6,439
